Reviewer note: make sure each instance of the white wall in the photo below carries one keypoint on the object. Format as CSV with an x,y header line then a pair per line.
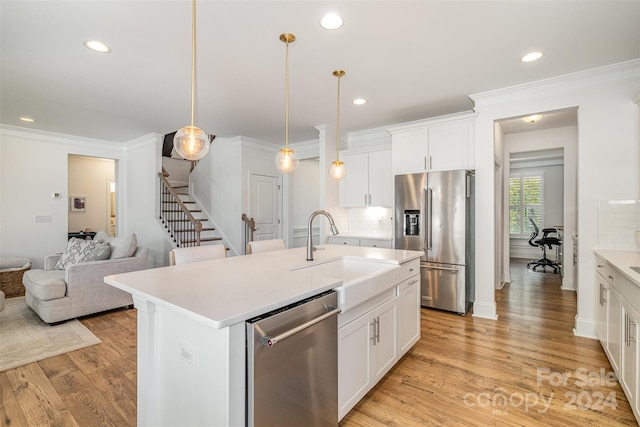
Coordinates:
x,y
607,159
89,176
304,199
33,165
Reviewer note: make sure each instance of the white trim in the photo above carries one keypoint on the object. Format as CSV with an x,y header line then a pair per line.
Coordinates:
x,y
627,70
418,124
486,310
59,138
585,329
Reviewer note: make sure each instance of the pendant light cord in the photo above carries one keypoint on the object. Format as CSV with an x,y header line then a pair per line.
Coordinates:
x,y
286,100
193,59
338,121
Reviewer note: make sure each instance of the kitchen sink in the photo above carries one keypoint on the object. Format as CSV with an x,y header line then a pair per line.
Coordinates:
x,y
361,279
636,269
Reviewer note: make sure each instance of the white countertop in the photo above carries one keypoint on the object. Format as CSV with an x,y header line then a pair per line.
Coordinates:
x,y
622,260
226,291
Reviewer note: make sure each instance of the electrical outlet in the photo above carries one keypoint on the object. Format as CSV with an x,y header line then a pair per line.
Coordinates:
x,y
42,218
189,354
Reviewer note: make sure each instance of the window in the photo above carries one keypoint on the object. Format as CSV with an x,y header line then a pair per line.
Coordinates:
x,y
526,202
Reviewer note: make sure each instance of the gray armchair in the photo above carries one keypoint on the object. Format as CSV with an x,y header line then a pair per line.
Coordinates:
x,y
79,289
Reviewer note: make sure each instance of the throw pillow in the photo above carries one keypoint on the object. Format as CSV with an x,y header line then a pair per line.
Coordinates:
x,y
121,247
76,251
101,252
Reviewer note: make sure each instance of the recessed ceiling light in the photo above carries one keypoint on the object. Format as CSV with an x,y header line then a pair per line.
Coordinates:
x,y
331,21
97,46
532,56
27,119
359,101
532,118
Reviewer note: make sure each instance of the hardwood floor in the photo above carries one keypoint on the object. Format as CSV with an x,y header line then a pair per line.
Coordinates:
x,y
464,371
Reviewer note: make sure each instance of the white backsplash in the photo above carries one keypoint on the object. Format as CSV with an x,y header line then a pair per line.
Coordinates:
x,y
617,222
374,221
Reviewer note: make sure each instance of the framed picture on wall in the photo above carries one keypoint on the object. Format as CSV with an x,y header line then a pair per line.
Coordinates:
x,y
78,203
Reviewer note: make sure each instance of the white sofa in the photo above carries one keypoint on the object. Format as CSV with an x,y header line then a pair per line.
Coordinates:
x,y
78,290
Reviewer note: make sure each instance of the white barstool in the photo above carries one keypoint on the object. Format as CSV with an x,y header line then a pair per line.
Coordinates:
x,y
258,246
196,253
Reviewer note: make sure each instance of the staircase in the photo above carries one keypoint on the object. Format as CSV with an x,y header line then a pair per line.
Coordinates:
x,y
184,220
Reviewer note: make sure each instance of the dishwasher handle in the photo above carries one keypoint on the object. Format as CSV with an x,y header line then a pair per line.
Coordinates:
x,y
271,341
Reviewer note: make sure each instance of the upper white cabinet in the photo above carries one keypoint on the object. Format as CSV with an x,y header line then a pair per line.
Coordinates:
x,y
439,144
368,182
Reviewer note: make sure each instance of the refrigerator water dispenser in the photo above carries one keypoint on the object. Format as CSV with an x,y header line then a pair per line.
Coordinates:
x,y
411,222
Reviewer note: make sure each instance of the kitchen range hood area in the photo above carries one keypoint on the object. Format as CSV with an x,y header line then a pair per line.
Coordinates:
x,y
210,332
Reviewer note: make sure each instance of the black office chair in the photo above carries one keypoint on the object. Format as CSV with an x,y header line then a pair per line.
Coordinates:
x,y
545,241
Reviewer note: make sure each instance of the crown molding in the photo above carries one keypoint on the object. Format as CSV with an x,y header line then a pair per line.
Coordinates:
x,y
623,71
59,138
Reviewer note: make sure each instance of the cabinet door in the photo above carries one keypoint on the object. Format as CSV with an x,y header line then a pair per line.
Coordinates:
x,y
408,314
601,309
384,340
354,375
614,329
353,189
629,365
449,147
380,179
410,151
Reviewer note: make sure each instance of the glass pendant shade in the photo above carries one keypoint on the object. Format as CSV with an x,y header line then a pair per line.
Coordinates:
x,y
287,160
337,170
191,143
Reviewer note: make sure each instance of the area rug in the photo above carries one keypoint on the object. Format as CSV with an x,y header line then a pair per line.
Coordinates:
x,y
25,338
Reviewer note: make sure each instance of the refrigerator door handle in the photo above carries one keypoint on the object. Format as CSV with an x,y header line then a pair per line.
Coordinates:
x,y
430,267
429,218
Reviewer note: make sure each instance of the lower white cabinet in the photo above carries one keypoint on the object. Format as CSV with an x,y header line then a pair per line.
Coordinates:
x,y
367,350
355,241
617,318
614,323
408,313
629,364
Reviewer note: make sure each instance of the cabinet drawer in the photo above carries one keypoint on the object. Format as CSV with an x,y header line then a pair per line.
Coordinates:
x,y
374,243
605,270
365,307
409,269
344,241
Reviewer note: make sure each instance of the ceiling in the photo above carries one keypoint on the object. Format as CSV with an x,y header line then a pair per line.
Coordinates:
x,y
409,59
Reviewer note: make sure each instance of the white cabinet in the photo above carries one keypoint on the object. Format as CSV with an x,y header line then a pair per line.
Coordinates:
x,y
601,309
374,335
439,144
618,329
629,365
368,182
408,313
614,323
366,351
355,241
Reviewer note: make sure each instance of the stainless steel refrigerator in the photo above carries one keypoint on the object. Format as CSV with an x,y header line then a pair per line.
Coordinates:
x,y
434,213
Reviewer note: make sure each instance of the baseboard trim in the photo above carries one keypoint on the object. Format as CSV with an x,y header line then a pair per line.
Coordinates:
x,y
585,329
486,310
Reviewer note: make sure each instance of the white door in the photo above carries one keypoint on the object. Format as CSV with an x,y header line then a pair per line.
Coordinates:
x,y
265,206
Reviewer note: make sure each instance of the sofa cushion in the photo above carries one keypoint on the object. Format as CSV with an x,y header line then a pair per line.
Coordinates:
x,y
121,247
45,284
77,250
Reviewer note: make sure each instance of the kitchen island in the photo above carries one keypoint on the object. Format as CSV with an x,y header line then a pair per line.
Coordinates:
x,y
191,323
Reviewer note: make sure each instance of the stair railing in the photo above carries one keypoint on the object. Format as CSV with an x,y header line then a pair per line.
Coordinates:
x,y
175,215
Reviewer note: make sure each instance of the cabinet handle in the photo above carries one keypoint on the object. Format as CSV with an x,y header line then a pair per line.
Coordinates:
x,y
373,335
365,199
601,300
425,162
626,329
600,266
430,162
631,324
610,277
378,329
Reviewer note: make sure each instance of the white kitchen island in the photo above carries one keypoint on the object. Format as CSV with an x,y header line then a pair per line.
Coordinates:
x,y
191,323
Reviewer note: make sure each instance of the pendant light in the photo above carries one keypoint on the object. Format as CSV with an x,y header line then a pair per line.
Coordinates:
x,y
286,159
191,142
337,170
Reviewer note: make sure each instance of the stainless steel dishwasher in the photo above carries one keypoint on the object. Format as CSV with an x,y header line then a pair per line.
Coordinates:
x,y
292,364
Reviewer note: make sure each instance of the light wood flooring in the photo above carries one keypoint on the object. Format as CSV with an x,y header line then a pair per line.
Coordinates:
x,y
464,371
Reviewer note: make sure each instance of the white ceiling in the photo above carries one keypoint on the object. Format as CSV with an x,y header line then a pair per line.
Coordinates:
x,y
409,59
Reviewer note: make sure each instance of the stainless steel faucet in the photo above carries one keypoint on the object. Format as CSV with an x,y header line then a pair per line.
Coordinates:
x,y
334,230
